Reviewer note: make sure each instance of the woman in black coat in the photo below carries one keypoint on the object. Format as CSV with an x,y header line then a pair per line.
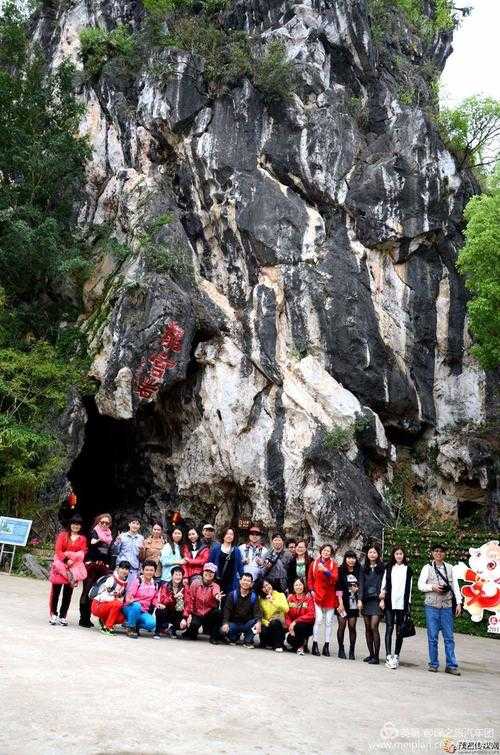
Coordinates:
x,y
373,573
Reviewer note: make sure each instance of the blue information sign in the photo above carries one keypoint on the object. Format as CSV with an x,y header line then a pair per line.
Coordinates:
x,y
14,531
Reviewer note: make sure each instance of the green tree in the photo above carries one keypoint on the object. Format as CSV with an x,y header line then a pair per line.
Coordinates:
x,y
472,131
41,172
479,261
42,162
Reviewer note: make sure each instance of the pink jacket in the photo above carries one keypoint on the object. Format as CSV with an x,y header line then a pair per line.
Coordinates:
x,y
69,557
145,593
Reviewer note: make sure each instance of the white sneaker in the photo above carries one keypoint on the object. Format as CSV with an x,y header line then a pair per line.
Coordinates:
x,y
390,662
300,651
63,622
278,650
396,660
53,620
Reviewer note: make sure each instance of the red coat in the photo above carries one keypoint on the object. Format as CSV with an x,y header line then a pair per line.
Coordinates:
x,y
65,548
166,596
200,599
324,585
301,609
194,566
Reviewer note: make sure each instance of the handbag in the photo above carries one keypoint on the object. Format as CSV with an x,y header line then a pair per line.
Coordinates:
x,y
407,628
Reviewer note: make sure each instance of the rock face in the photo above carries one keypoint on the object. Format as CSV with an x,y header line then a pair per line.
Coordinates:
x,y
321,333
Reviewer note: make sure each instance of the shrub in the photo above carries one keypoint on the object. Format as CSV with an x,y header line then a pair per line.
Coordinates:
x,y
274,75
382,20
338,438
406,96
94,49
173,261
226,55
161,8
212,7
98,46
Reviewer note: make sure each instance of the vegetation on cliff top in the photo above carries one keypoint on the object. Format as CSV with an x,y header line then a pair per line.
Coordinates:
x,y
479,261
41,260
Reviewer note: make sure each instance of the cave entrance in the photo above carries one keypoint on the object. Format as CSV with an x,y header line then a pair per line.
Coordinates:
x,y
105,474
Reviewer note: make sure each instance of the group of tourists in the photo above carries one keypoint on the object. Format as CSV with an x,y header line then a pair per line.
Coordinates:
x,y
183,584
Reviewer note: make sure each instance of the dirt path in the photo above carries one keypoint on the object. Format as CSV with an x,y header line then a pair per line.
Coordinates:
x,y
71,690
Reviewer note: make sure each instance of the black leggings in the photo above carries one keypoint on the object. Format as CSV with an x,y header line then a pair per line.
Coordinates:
x,y
351,621
67,594
393,619
166,616
273,634
372,635
302,632
210,622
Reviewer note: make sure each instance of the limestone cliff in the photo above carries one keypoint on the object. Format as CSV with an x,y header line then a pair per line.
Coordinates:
x,y
310,332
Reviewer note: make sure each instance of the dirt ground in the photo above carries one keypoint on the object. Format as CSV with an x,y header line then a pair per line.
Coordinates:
x,y
73,690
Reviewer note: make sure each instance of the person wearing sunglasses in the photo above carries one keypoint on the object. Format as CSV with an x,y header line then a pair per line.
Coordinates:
x,y
97,562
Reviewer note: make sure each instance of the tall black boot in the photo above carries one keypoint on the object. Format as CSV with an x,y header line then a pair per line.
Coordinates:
x,y
326,649
351,653
315,649
341,651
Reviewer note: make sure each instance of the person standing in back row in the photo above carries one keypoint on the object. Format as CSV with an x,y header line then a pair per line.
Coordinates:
x,y
171,554
127,546
373,574
441,590
97,563
227,558
395,601
277,563
322,582
350,593
253,555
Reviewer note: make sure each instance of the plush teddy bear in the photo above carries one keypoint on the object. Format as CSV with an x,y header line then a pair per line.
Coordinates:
x,y
483,574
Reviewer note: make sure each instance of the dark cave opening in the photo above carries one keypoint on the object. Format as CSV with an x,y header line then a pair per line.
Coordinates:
x,y
105,474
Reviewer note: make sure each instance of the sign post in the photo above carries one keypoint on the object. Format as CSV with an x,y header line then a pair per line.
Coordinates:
x,y
13,533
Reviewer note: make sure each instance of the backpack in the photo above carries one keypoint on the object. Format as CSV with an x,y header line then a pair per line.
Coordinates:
x,y
96,587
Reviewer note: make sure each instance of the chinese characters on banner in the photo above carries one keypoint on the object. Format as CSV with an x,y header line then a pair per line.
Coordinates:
x,y
153,371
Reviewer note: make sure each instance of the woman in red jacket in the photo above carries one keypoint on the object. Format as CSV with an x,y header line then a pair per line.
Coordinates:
x,y
299,620
322,582
195,556
170,606
67,569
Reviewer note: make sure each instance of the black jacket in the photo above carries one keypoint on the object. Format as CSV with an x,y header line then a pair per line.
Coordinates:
x,y
242,610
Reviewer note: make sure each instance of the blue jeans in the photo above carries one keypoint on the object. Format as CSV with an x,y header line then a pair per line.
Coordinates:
x,y
438,619
235,630
137,618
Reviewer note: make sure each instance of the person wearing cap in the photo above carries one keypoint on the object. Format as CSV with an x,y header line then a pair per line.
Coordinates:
x,y
277,563
68,569
127,546
208,535
253,554
442,601
202,606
